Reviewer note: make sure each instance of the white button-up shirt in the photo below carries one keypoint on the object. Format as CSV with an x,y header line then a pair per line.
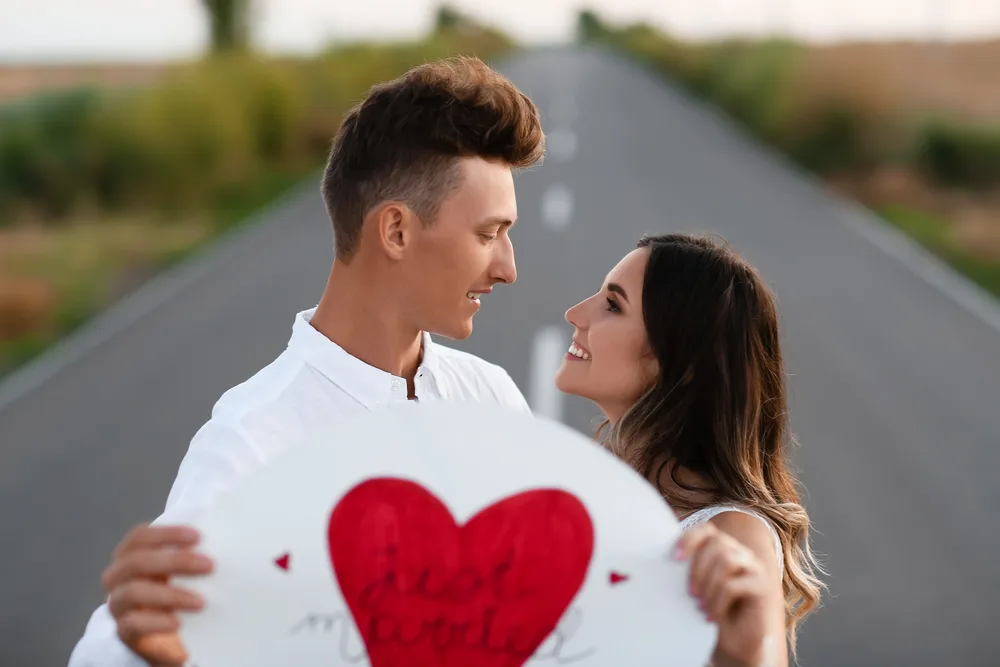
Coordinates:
x,y
313,383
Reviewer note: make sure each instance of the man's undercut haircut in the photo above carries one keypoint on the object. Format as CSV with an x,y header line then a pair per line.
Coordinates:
x,y
403,142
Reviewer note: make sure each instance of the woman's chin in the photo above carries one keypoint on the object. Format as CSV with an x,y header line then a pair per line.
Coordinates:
x,y
560,379
565,382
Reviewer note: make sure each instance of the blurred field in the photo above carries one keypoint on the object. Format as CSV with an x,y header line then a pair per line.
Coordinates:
x,y
961,80
911,130
17,81
108,174
941,182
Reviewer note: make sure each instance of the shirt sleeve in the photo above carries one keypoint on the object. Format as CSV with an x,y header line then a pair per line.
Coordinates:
x,y
219,455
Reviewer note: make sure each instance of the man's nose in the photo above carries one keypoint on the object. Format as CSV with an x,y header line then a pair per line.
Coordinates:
x,y
504,269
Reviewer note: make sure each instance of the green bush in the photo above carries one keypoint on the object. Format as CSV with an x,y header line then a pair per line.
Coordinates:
x,y
589,27
754,82
47,148
960,155
750,81
200,133
936,235
830,140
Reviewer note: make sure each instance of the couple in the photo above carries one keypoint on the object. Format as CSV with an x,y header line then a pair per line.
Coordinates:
x,y
679,349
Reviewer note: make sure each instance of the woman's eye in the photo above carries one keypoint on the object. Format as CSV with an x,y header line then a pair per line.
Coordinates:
x,y
613,307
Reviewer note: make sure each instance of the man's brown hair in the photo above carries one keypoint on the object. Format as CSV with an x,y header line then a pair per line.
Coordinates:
x,y
403,141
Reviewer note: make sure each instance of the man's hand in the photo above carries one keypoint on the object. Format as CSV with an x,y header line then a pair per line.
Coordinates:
x,y
140,597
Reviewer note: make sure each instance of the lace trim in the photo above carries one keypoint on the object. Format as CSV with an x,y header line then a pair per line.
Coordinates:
x,y
708,513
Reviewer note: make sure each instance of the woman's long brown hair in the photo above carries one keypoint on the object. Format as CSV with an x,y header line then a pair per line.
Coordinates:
x,y
718,407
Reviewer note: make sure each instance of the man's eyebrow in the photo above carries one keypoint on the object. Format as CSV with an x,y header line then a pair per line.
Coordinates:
x,y
501,220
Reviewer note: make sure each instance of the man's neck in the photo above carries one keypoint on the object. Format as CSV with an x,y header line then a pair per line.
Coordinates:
x,y
352,315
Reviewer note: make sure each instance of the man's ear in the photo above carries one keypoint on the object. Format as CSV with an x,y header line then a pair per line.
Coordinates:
x,y
393,225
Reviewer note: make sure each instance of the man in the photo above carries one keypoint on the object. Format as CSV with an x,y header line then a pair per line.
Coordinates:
x,y
420,191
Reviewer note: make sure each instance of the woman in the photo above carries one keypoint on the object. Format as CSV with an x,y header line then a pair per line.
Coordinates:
x,y
680,351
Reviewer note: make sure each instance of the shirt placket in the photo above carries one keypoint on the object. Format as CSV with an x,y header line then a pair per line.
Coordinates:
x,y
397,388
425,386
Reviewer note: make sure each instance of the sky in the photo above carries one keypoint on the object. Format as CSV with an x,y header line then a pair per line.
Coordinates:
x,y
95,30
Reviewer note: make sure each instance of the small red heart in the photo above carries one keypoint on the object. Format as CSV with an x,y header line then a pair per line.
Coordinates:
x,y
616,578
426,590
282,561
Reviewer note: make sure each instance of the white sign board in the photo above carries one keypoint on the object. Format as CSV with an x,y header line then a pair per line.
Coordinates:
x,y
444,535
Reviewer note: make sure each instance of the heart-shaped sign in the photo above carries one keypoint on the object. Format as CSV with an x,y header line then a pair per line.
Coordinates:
x,y
443,535
424,590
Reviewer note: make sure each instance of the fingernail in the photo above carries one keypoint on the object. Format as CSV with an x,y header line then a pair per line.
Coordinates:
x,y
203,562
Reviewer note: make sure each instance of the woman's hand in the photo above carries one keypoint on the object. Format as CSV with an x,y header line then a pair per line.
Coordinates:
x,y
735,592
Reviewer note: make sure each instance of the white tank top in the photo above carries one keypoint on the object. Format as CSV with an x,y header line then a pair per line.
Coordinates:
x,y
707,513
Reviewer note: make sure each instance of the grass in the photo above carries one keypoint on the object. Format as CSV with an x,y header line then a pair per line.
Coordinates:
x,y
938,235
56,278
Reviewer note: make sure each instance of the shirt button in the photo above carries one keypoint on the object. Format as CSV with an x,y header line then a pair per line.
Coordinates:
x,y
395,384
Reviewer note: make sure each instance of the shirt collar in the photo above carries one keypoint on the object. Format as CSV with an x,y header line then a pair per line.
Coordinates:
x,y
371,386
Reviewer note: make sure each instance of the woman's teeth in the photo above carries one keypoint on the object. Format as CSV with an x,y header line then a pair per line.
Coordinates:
x,y
473,295
578,353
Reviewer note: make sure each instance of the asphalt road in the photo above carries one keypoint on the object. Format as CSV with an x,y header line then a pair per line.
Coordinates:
x,y
894,385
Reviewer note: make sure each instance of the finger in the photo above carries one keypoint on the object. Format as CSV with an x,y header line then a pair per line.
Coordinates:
x,y
733,561
141,622
141,594
734,591
149,564
704,562
145,536
692,539
162,648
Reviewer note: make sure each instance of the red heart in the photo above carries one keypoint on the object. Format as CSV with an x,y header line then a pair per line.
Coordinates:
x,y
283,561
427,592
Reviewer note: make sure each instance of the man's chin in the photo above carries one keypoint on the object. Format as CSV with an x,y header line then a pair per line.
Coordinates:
x,y
455,331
